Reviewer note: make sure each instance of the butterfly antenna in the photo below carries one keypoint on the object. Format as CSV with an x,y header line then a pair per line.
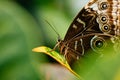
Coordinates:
x,y
54,30
59,39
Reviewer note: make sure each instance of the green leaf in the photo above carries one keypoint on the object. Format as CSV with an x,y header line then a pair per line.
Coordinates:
x,y
60,58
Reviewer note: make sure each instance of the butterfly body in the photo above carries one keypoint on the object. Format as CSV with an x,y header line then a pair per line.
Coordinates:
x,y
95,28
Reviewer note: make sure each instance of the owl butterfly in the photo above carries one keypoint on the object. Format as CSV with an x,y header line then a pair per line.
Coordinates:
x,y
95,28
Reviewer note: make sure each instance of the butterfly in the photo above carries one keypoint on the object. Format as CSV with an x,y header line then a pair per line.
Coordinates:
x,y
95,28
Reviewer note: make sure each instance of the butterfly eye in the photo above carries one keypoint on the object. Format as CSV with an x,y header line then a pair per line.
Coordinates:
x,y
98,43
105,28
103,5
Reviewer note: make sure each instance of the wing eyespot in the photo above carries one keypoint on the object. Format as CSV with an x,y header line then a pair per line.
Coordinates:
x,y
102,18
105,28
98,43
103,6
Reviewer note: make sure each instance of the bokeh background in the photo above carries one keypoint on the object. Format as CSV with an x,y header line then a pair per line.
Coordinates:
x,y
23,26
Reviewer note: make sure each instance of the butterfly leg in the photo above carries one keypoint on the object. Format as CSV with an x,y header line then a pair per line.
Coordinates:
x,y
58,43
66,51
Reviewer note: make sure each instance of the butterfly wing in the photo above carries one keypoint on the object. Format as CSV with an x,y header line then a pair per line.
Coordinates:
x,y
84,20
97,17
85,45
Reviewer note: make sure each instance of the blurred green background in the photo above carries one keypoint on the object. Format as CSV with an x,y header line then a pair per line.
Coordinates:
x,y
23,27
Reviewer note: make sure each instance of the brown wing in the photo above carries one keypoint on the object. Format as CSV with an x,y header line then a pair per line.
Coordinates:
x,y
81,45
97,16
84,20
